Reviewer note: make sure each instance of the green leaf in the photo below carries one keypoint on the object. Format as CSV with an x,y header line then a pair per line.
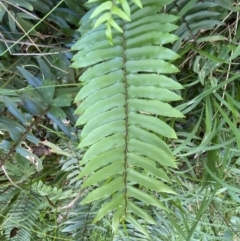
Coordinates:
x,y
212,38
5,145
144,197
235,53
101,8
106,144
148,165
12,21
105,93
113,23
103,131
55,148
151,152
149,38
14,128
116,202
154,52
152,66
104,173
120,13
102,69
47,90
151,92
100,107
43,7
140,212
2,11
102,119
229,5
12,107
109,31
151,123
102,44
58,112
148,182
138,3
32,80
134,132
92,38
151,27
230,123
22,3
125,7
153,80
98,56
62,101
157,18
26,25
137,225
117,217
187,7
105,190
30,157
99,83
148,10
153,107
102,160
104,18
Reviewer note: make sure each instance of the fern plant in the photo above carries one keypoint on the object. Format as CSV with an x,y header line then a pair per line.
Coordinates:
x,y
135,70
21,217
124,110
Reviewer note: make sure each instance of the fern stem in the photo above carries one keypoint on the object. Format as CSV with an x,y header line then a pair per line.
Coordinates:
x,y
126,122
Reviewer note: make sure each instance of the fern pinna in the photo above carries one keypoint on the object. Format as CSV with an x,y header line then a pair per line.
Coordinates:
x,y
122,109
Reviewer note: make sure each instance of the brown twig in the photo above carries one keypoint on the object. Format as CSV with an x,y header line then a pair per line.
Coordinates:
x,y
31,44
22,137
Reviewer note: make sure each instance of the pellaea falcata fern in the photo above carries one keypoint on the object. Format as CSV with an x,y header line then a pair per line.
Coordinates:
x,y
123,109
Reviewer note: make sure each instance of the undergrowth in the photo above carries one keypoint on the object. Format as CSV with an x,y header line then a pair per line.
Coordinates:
x,y
44,176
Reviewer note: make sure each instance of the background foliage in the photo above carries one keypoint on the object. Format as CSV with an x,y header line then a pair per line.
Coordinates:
x,y
42,121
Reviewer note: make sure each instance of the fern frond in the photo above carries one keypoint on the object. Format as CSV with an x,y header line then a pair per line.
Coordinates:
x,y
195,16
123,106
22,217
79,223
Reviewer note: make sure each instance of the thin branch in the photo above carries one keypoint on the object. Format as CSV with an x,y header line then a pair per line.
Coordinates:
x,y
12,149
40,54
5,171
29,44
73,201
